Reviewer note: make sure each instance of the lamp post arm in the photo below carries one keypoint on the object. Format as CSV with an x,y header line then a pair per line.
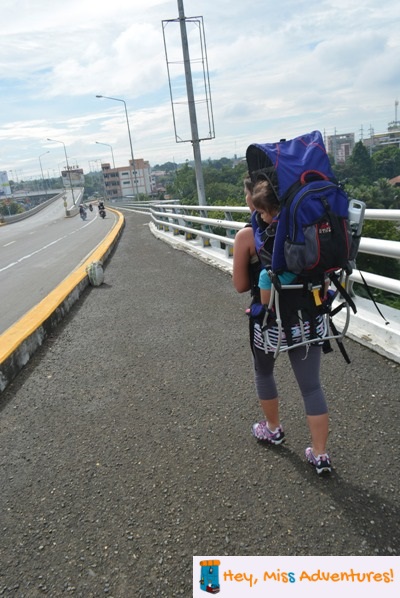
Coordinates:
x,y
112,153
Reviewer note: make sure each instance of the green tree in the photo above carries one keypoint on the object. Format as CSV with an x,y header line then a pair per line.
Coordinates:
x,y
221,193
387,193
167,167
360,165
9,209
381,194
220,164
223,183
184,185
386,162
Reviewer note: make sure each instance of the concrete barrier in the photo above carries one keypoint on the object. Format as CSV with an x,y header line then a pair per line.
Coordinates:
x,y
28,213
69,211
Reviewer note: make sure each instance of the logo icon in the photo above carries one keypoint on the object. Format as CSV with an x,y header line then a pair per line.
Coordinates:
x,y
324,228
209,576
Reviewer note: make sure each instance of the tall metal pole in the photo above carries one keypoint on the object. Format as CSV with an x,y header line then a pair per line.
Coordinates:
x,y
41,170
68,169
192,109
130,138
130,143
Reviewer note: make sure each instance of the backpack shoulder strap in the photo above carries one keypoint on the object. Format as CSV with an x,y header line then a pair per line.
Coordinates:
x,y
342,291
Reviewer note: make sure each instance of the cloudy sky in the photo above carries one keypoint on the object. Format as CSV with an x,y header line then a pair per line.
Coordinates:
x,y
276,69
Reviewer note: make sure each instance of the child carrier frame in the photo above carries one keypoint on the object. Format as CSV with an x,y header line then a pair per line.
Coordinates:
x,y
297,316
301,313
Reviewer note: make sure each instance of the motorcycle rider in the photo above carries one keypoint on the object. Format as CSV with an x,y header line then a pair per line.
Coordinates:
x,y
102,209
82,212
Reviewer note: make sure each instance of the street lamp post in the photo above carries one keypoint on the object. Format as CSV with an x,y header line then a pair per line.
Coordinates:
x,y
41,169
130,138
112,153
13,181
69,172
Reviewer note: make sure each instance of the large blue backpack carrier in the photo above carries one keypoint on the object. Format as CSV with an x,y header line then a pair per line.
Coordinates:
x,y
313,238
313,235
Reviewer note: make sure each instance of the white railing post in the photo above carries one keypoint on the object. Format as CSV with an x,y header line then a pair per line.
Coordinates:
x,y
230,233
205,228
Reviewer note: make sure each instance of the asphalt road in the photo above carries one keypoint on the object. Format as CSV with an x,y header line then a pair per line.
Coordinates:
x,y
37,253
127,449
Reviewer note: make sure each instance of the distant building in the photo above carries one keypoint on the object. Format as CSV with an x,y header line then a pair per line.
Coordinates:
x,y
159,178
128,181
391,137
340,146
73,176
5,188
380,140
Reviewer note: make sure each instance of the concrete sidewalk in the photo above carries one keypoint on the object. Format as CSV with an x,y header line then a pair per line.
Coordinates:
x,y
127,449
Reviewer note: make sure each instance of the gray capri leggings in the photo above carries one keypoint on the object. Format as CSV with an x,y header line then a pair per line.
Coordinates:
x,y
306,368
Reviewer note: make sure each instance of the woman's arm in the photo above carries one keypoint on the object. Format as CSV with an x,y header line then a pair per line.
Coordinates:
x,y
265,287
243,250
265,284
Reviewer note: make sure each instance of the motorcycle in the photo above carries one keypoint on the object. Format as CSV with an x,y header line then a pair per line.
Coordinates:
x,y
90,207
82,214
102,213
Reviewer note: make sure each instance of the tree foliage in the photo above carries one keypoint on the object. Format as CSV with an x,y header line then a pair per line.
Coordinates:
x,y
184,186
359,165
166,167
379,195
386,163
10,208
223,182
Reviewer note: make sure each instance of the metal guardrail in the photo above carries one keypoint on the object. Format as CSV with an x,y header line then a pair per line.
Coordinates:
x,y
194,222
